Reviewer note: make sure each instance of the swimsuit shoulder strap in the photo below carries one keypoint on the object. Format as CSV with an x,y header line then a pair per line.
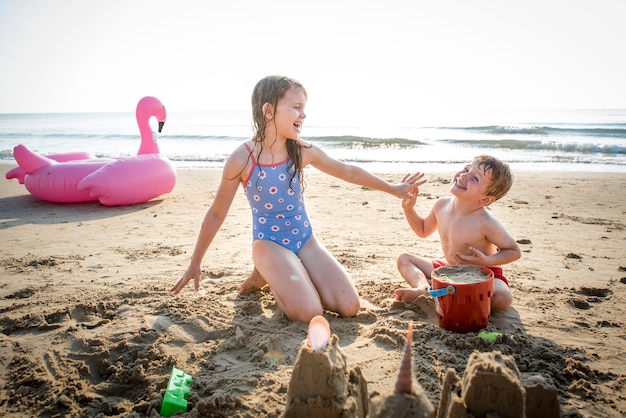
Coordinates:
x,y
250,153
254,163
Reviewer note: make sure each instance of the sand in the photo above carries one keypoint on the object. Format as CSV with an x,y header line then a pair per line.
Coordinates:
x,y
90,329
460,274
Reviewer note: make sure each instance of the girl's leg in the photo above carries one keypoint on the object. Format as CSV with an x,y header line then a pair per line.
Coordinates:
x,y
253,282
288,279
333,283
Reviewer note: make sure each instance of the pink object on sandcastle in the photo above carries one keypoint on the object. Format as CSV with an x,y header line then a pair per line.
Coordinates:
x,y
319,332
322,384
80,177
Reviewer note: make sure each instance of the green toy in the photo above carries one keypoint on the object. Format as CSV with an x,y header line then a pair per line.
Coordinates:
x,y
177,390
491,336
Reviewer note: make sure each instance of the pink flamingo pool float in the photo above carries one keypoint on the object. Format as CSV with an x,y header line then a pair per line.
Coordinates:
x,y
80,177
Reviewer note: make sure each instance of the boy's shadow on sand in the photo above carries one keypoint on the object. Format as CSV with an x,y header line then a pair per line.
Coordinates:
x,y
508,321
26,209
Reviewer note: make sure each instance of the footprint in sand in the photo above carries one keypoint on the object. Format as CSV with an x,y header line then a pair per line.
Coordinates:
x,y
594,291
593,295
579,303
90,316
21,294
196,329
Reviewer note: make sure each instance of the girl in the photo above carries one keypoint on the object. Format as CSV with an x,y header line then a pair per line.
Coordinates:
x,y
303,276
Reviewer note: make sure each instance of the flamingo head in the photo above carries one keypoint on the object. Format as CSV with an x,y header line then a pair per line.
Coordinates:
x,y
151,106
147,108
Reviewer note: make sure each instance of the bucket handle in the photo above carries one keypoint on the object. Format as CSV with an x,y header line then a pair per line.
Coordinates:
x,y
448,290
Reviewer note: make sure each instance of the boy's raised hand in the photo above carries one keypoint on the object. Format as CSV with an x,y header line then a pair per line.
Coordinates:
x,y
409,201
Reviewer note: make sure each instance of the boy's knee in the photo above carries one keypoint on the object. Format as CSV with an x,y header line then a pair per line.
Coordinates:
x,y
403,260
501,301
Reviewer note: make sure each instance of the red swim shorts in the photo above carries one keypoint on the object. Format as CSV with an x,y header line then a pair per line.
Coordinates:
x,y
497,271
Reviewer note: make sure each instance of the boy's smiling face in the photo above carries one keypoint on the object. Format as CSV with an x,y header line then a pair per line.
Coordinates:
x,y
471,183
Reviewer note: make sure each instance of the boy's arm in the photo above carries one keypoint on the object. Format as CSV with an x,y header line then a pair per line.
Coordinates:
x,y
508,250
423,227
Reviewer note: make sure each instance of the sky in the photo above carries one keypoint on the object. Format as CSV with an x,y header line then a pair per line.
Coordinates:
x,y
359,60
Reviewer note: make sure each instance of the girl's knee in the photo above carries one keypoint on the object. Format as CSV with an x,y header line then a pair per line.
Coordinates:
x,y
350,308
301,308
304,314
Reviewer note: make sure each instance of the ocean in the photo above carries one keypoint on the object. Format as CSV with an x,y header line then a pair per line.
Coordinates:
x,y
575,140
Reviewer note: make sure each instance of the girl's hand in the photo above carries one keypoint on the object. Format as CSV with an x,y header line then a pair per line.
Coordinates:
x,y
193,272
410,185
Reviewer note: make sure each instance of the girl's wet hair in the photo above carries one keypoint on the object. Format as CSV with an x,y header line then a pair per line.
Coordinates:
x,y
270,90
500,173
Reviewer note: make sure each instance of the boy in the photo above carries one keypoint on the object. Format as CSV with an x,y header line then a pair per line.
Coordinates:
x,y
469,233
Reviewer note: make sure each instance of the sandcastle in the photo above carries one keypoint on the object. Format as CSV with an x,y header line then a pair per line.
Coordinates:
x,y
322,385
493,386
408,398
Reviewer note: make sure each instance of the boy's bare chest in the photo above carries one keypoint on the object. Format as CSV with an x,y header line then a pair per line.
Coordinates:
x,y
462,229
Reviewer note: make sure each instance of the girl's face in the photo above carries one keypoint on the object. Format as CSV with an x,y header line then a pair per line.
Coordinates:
x,y
289,114
471,182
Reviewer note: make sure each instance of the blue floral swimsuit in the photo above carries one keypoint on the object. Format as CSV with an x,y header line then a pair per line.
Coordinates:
x,y
278,212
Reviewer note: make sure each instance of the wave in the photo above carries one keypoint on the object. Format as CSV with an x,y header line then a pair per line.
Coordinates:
x,y
116,136
535,145
216,161
351,142
615,131
347,141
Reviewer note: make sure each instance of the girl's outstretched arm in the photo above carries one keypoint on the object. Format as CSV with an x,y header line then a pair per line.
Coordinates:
x,y
356,175
212,222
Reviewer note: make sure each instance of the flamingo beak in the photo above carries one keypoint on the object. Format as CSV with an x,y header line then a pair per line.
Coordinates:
x,y
161,125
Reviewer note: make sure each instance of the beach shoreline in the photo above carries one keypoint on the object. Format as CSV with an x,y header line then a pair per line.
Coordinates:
x,y
89,326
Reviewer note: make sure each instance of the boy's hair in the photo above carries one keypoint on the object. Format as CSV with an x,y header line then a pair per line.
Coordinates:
x,y
501,176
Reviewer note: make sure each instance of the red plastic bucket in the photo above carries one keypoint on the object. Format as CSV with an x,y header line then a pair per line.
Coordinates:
x,y
464,301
